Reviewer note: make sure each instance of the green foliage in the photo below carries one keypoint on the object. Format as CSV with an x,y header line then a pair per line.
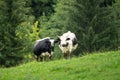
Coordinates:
x,y
98,66
63,18
12,14
46,29
116,14
95,23
42,6
27,34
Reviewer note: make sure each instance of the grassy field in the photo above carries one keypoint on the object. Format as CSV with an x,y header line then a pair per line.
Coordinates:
x,y
96,66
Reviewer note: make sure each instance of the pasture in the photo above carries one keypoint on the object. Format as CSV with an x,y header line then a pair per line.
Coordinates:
x,y
95,66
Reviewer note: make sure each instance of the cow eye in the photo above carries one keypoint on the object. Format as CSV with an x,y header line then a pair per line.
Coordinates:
x,y
68,39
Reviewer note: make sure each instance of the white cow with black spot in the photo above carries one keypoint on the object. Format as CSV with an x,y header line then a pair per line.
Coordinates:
x,y
67,43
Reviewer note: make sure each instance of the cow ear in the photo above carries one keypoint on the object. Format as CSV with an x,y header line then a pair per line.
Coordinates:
x,y
75,41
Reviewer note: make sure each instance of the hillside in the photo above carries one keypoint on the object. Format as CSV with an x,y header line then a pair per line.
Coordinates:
x,y
100,66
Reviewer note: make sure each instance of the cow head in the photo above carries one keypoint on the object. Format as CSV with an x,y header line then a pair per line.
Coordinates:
x,y
67,43
52,41
66,39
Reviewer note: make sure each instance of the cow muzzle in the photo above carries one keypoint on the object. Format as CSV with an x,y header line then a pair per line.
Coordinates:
x,y
64,45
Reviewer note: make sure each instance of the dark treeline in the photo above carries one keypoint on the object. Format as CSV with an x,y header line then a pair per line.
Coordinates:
x,y
96,24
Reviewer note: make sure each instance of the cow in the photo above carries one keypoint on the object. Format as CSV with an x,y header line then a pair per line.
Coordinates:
x,y
43,48
67,43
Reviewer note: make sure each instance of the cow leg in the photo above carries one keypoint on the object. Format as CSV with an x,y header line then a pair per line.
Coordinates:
x,y
65,55
50,57
69,52
42,59
69,56
37,58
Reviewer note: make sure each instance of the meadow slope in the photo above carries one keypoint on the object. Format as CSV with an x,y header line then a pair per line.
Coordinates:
x,y
96,66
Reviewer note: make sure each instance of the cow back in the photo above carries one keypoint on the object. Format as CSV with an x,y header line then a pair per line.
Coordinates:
x,y
42,46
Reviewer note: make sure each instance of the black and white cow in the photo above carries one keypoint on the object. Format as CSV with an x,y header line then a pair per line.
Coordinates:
x,y
67,43
43,48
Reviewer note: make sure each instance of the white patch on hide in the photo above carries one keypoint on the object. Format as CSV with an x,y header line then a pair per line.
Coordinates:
x,y
52,42
47,54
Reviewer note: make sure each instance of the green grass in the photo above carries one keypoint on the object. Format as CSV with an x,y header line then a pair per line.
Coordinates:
x,y
96,66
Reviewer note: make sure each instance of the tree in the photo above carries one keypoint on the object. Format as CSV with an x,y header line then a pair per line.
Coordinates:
x,y
98,29
92,23
19,33
3,17
42,6
116,20
12,13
